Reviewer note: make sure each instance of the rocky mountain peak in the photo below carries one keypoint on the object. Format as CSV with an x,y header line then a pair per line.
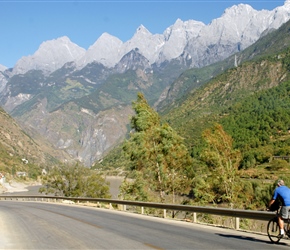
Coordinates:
x,y
177,36
238,15
142,30
178,23
279,15
141,33
148,44
238,10
50,56
133,60
2,68
106,50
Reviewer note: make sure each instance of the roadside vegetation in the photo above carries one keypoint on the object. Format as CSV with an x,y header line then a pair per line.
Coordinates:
x,y
75,181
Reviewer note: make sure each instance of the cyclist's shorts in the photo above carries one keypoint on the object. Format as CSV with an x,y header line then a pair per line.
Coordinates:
x,y
285,211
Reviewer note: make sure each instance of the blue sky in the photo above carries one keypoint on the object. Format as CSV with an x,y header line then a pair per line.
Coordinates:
x,y
25,24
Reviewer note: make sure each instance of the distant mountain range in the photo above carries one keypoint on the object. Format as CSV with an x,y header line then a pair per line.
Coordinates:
x,y
80,100
238,27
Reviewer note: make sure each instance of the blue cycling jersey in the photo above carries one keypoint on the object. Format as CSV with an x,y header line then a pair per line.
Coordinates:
x,y
282,192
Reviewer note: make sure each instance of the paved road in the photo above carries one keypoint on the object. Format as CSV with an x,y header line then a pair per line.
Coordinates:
x,y
36,225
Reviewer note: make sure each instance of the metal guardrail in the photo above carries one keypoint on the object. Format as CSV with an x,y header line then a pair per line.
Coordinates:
x,y
236,213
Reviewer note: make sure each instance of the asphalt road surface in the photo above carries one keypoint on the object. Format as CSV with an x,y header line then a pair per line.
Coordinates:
x,y
41,225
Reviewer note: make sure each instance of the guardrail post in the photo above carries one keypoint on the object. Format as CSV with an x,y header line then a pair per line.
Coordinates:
x,y
194,217
124,207
142,210
164,213
237,223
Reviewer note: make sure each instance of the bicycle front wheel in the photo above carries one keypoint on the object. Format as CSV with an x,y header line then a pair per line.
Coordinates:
x,y
273,230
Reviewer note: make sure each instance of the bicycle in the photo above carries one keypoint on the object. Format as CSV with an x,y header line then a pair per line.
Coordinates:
x,y
273,229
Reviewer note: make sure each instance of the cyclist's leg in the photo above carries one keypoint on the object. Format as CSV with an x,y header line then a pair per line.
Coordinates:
x,y
281,224
284,214
286,223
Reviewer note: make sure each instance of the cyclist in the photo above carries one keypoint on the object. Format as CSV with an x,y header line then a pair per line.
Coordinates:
x,y
282,192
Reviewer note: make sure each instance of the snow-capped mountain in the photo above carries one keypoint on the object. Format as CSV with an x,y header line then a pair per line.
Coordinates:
x,y
105,50
176,38
148,44
50,56
238,27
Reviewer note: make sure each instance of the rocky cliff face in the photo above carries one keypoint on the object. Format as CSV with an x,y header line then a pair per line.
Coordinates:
x,y
84,135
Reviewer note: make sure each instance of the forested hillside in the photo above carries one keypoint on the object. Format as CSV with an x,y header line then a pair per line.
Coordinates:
x,y
260,125
214,101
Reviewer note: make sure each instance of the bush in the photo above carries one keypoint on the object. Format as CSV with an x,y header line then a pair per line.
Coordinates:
x,y
279,164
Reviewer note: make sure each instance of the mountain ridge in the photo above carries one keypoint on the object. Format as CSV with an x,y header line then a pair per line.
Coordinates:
x,y
187,35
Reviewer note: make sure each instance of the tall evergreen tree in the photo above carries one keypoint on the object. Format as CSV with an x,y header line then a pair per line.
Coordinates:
x,y
157,153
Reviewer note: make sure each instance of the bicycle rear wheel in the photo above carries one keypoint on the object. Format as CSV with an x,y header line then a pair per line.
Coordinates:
x,y
273,230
